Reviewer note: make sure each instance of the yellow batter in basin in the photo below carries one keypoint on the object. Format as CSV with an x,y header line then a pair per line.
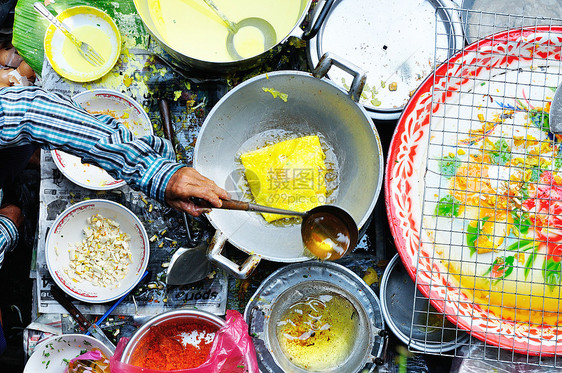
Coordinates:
x,y
193,29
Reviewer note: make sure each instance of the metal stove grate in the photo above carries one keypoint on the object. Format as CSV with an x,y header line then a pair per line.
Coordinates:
x,y
491,215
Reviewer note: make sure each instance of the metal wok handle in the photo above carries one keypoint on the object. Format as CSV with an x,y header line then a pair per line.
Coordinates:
x,y
359,76
379,359
214,254
315,24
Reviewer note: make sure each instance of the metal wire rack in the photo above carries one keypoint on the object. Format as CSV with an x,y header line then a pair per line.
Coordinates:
x,y
490,241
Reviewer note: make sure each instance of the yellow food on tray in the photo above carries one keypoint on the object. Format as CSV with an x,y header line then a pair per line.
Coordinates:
x,y
288,175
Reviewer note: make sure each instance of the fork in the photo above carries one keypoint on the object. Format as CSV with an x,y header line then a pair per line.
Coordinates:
x,y
85,50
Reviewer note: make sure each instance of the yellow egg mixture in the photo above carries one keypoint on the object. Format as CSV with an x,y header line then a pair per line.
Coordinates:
x,y
288,175
96,38
192,28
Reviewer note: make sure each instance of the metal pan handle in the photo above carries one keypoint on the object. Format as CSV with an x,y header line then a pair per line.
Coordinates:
x,y
359,76
214,254
317,23
379,359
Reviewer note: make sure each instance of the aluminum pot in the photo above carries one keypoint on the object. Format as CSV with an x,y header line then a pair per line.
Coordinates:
x,y
314,105
186,315
217,68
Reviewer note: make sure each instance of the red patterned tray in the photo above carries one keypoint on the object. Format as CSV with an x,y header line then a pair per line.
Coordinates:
x,y
505,54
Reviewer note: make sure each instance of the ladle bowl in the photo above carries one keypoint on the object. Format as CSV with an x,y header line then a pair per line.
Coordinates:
x,y
329,232
267,30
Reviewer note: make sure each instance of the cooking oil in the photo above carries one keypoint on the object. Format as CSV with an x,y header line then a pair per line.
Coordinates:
x,y
318,332
326,236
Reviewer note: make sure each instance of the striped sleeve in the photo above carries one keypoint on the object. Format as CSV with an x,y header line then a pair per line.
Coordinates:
x,y
32,115
9,236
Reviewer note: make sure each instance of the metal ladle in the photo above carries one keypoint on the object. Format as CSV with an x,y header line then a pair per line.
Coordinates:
x,y
327,231
555,115
267,30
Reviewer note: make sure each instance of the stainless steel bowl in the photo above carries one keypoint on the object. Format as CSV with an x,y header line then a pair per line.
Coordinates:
x,y
393,41
164,318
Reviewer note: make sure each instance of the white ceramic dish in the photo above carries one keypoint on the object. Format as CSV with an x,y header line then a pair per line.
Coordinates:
x,y
131,114
67,229
52,355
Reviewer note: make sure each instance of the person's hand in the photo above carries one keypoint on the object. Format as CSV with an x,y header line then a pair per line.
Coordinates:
x,y
13,213
187,183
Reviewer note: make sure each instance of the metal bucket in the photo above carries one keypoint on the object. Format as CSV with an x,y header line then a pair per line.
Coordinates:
x,y
215,67
289,285
314,105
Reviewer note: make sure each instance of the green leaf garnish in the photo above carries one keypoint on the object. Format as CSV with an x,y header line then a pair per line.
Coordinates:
x,y
540,119
501,267
502,153
521,223
552,273
447,207
522,245
449,165
473,232
529,263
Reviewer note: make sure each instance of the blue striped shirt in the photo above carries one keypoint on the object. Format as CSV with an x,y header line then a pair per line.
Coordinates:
x,y
32,115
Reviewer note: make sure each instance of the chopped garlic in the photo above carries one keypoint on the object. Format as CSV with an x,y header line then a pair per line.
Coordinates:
x,y
103,256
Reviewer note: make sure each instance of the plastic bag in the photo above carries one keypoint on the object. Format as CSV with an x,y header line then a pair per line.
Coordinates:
x,y
92,361
232,352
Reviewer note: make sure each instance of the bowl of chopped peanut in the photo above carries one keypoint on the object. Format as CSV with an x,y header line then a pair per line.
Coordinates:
x,y
97,250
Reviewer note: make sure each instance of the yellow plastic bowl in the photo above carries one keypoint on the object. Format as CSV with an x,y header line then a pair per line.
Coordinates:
x,y
63,55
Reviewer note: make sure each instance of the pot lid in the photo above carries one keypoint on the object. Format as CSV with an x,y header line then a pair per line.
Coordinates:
x,y
394,42
486,17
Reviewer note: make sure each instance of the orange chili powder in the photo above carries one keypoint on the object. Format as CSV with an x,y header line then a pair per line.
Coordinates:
x,y
177,345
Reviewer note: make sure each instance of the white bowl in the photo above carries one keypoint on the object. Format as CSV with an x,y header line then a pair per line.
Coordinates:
x,y
67,229
97,100
52,355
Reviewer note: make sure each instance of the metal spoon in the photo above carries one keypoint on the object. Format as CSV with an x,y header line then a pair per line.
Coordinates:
x,y
555,115
327,231
267,30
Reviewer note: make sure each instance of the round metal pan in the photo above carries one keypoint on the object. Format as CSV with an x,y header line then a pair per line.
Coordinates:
x,y
482,18
422,327
143,8
393,41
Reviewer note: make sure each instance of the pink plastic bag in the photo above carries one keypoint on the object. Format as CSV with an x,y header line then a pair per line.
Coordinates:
x,y
232,352
91,361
